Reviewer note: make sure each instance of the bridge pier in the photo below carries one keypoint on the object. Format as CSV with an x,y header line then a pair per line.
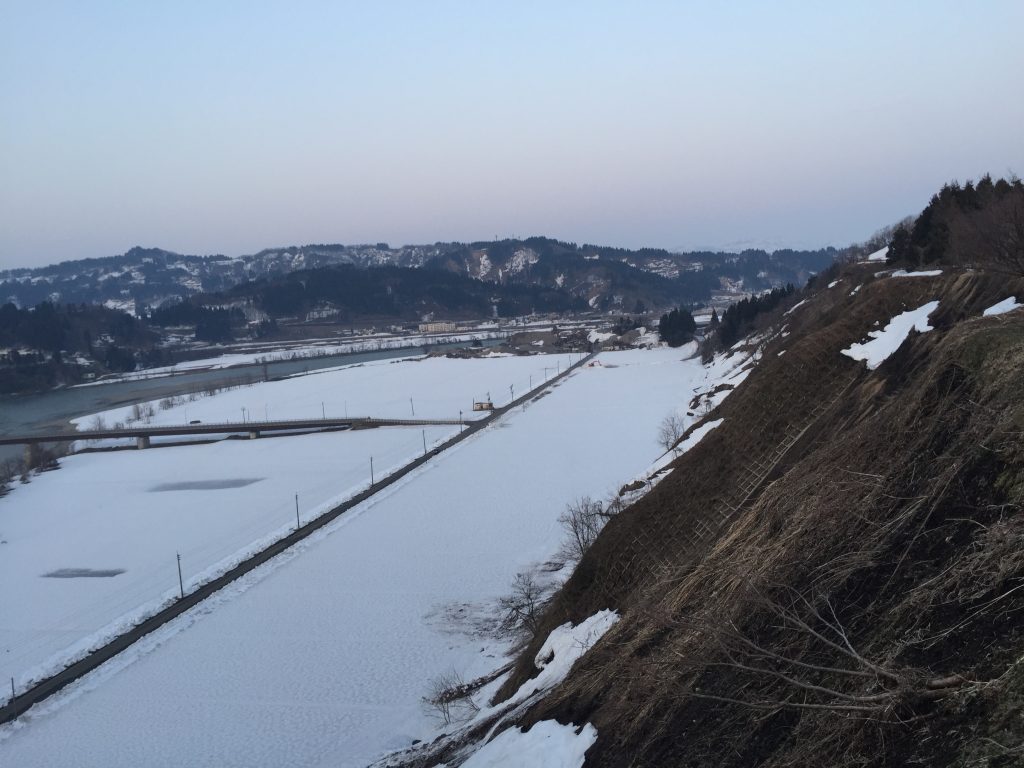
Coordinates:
x,y
142,441
31,452
253,434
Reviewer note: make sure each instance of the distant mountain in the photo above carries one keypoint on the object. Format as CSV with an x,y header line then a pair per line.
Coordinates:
x,y
606,278
346,293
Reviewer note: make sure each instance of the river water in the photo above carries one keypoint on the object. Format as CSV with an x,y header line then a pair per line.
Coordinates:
x,y
46,411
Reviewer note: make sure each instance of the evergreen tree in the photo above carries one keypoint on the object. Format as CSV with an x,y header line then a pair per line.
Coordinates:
x,y
677,327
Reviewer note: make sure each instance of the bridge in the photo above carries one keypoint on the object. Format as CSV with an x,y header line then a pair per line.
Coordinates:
x,y
254,429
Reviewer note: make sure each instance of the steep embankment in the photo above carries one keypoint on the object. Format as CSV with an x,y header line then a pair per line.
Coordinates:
x,y
835,575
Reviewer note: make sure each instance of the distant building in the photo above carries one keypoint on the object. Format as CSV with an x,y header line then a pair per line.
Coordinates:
x,y
322,311
437,327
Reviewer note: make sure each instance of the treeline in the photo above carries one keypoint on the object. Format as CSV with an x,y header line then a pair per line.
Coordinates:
x,y
211,324
633,286
978,225
740,318
54,328
37,345
677,327
396,292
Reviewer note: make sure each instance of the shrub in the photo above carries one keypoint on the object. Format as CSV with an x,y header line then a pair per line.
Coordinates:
x,y
522,607
583,519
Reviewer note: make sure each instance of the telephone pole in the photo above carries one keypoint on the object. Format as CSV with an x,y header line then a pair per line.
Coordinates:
x,y
181,584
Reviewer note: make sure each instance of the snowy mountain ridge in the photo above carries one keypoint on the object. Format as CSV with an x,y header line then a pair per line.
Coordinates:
x,y
151,276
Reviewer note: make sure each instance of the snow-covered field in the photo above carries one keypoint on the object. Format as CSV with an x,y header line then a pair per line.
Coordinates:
x,y
322,656
108,512
133,511
433,387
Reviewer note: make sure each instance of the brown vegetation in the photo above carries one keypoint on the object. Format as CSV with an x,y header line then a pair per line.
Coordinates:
x,y
861,601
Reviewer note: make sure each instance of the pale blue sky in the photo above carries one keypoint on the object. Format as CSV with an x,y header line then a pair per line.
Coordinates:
x,y
217,127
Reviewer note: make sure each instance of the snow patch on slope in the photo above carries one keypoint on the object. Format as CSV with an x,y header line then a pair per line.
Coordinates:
x,y
563,648
889,339
879,255
548,744
923,273
1004,306
697,435
522,259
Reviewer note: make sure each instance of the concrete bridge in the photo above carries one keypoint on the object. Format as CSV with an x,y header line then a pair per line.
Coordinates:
x,y
253,429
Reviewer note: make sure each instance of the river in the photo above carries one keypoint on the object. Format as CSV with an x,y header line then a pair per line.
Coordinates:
x,y
53,410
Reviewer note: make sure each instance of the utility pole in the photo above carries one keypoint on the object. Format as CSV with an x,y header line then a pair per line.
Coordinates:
x,y
297,524
12,689
371,470
323,411
412,407
424,432
181,584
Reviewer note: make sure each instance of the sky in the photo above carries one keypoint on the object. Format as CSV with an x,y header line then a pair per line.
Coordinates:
x,y
228,127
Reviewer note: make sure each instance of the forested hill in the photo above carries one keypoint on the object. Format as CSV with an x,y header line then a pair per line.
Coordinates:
x,y
605,277
400,293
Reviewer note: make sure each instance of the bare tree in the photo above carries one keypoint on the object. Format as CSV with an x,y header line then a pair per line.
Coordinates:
x,y
671,430
448,693
9,470
813,664
583,520
994,237
522,607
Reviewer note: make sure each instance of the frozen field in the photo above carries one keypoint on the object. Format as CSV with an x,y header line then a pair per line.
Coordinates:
x,y
131,511
322,656
107,527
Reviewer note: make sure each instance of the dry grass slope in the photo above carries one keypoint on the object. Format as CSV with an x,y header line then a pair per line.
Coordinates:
x,y
864,603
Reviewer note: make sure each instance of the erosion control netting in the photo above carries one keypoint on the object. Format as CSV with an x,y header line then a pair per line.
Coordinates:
x,y
834,570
